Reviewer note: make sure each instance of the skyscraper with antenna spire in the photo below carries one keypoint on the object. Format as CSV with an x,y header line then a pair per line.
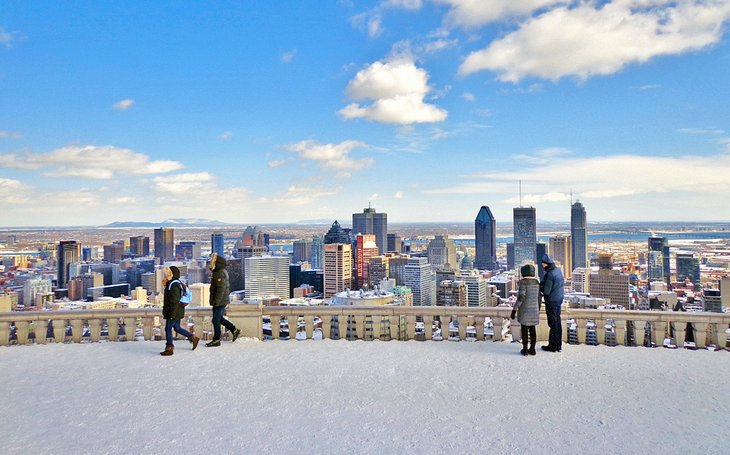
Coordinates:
x,y
578,234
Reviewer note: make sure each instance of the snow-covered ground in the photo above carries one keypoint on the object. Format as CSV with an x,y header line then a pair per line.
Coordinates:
x,y
361,397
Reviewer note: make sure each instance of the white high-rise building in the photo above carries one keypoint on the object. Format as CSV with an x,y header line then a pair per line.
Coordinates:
x,y
201,294
337,268
477,292
33,287
267,276
420,277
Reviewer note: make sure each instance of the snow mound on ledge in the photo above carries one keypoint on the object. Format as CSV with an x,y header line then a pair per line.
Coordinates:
x,y
361,397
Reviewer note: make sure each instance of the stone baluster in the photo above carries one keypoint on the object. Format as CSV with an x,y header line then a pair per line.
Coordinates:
x,y
543,331
497,322
658,332
720,335
410,327
293,323
377,324
515,329
619,328
21,331
600,331
95,329
326,326
113,329
679,333
130,328
581,330
198,326
640,332
41,330
700,329
463,325
309,325
59,330
479,327
77,330
342,326
395,327
148,325
4,333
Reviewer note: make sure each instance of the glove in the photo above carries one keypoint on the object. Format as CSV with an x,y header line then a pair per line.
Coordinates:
x,y
513,315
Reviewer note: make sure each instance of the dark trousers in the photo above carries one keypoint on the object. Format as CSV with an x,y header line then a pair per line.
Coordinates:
x,y
174,324
529,329
552,310
218,319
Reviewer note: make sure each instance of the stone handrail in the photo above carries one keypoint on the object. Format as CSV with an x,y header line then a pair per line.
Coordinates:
x,y
609,327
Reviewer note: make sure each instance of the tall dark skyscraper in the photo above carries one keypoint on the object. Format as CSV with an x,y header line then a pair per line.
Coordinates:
x,y
485,233
578,236
658,260
139,246
165,244
370,222
69,251
525,232
336,235
395,243
688,267
216,243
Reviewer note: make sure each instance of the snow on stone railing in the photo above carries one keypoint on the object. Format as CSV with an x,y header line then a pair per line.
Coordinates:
x,y
599,327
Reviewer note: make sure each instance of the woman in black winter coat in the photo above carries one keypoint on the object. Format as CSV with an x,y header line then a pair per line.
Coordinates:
x,y
173,311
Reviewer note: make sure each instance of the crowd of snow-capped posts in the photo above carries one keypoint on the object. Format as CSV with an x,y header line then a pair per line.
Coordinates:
x,y
385,323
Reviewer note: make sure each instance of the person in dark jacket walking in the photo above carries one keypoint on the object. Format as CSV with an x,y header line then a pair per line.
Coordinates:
x,y
173,311
527,307
551,289
219,292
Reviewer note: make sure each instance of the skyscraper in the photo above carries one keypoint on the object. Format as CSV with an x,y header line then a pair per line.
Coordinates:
x,y
658,260
485,234
188,250
337,268
525,234
113,253
217,243
301,250
395,244
69,251
559,248
370,222
688,268
420,277
442,252
139,245
317,258
165,244
578,236
267,276
336,235
252,236
365,248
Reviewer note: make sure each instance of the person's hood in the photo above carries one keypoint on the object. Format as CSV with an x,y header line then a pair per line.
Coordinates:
x,y
547,259
220,263
175,273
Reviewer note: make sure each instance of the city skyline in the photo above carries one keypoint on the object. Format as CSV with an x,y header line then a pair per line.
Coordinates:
x,y
276,113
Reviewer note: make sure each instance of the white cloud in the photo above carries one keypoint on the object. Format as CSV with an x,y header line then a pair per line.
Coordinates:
x,y
182,184
123,105
124,200
7,38
646,87
600,39
93,162
470,14
543,156
287,57
10,135
300,196
398,195
13,191
468,96
277,163
702,131
412,5
373,197
397,88
332,156
375,28
225,136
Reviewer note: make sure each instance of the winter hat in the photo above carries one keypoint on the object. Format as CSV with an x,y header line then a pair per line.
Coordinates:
x,y
527,270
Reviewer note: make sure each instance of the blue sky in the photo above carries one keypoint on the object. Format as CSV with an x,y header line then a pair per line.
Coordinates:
x,y
256,112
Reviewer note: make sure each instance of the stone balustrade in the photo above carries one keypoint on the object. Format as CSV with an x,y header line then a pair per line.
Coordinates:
x,y
601,327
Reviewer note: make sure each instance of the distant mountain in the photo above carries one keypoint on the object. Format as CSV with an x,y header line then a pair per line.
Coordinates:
x,y
171,222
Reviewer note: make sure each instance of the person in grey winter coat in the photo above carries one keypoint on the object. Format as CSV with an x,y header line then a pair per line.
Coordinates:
x,y
551,289
219,292
173,311
527,308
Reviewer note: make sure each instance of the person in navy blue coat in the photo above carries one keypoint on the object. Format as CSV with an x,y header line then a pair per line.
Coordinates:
x,y
551,288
